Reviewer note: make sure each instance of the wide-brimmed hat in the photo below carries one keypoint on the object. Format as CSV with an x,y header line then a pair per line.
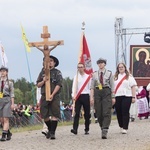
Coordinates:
x,y
55,60
4,68
101,60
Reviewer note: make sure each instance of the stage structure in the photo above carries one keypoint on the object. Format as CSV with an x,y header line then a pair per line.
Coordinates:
x,y
121,45
120,39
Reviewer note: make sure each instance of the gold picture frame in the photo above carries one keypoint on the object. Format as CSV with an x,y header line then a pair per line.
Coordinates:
x,y
140,63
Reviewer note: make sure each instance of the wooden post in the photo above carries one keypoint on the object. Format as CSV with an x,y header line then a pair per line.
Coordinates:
x,y
45,35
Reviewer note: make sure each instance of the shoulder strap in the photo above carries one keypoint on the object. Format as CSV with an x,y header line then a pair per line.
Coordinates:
x,y
118,85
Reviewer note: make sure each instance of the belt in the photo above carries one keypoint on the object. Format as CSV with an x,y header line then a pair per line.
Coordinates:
x,y
102,87
6,96
105,87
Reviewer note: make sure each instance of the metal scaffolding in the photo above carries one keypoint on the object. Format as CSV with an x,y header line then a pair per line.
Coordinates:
x,y
120,39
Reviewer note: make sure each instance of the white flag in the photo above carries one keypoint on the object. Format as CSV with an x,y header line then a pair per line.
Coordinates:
x,y
3,56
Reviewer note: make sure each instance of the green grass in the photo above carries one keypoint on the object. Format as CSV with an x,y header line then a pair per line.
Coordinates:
x,y
39,126
26,128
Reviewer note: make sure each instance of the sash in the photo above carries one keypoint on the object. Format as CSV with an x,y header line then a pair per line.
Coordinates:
x,y
83,86
118,85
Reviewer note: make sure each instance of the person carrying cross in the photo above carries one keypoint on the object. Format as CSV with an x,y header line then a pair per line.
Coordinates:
x,y
50,110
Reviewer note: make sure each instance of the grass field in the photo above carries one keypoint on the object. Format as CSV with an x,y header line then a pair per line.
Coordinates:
x,y
39,126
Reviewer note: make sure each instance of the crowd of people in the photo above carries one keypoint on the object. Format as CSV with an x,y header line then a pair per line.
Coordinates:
x,y
101,90
141,108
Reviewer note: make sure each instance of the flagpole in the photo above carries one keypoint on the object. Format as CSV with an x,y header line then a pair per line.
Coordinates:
x,y
34,100
27,48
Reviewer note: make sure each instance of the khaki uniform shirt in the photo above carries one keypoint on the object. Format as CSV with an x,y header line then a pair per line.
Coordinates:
x,y
8,88
108,80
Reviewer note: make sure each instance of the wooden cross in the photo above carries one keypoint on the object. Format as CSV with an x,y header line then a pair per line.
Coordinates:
x,y
46,51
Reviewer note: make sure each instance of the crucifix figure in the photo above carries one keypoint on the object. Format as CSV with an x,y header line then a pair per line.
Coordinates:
x,y
46,51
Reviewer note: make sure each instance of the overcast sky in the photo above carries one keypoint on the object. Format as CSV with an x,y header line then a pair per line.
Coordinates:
x,y
64,20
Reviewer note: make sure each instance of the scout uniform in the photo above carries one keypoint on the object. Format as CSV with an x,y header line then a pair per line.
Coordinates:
x,y
54,105
6,93
102,96
51,108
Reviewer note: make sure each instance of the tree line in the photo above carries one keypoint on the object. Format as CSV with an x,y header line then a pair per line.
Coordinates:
x,y
25,92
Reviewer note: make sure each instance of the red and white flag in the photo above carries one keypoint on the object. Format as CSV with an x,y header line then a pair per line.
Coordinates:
x,y
85,56
3,55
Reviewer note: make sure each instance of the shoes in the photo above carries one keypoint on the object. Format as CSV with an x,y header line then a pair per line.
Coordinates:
x,y
3,138
146,117
73,131
9,134
48,135
104,133
124,131
52,136
86,132
96,121
132,119
45,133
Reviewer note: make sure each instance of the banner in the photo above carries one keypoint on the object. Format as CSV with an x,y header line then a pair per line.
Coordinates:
x,y
25,40
85,57
3,56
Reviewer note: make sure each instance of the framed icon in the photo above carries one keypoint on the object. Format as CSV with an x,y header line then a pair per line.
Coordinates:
x,y
140,63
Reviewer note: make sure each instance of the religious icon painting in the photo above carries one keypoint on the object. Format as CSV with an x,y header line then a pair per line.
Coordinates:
x,y
140,63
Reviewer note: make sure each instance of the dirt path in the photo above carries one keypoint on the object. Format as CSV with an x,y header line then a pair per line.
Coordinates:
x,y
138,138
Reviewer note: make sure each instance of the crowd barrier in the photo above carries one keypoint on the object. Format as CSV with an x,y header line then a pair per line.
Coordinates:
x,y
24,120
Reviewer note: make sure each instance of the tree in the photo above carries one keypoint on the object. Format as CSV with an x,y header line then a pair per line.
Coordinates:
x,y
18,96
28,90
25,92
66,90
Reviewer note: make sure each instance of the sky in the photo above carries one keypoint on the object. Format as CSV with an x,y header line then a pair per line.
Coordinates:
x,y
64,20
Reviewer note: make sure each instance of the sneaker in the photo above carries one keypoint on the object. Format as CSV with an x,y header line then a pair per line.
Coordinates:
x,y
9,136
73,131
45,133
124,131
104,133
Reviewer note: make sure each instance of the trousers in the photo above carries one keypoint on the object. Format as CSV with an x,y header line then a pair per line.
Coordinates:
x,y
83,100
122,107
103,105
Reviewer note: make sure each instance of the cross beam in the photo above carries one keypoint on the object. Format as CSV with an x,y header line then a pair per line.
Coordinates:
x,y
45,35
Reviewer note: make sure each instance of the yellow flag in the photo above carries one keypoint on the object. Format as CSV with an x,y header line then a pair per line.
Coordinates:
x,y
25,40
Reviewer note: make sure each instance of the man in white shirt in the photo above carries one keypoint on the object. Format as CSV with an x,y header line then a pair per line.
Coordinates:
x,y
82,100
